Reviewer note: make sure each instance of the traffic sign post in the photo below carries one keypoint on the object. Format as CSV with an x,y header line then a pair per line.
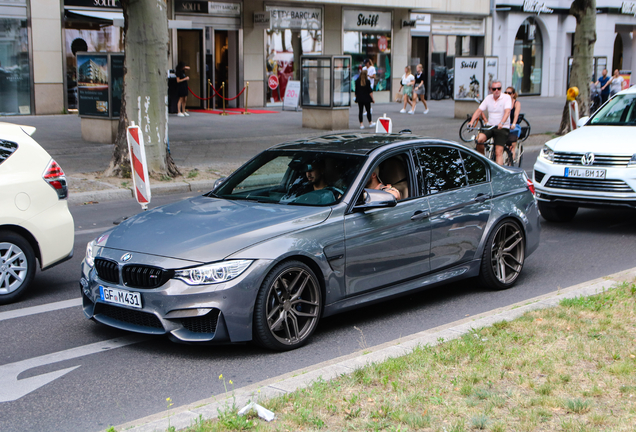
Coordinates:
x,y
139,165
384,125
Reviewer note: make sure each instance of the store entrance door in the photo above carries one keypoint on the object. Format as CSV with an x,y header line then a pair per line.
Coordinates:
x,y
222,65
189,50
419,55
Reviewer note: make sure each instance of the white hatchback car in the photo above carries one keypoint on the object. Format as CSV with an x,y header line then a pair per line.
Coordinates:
x,y
34,218
593,166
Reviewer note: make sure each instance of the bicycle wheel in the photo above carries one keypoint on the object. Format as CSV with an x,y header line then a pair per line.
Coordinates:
x,y
525,130
508,160
519,154
469,135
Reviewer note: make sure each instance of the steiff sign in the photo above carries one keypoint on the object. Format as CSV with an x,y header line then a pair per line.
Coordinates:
x,y
356,20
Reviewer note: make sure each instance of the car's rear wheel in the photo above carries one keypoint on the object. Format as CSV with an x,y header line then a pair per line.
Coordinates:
x,y
17,266
288,307
503,256
556,213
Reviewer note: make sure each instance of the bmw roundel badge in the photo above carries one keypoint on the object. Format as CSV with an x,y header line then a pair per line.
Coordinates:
x,y
126,257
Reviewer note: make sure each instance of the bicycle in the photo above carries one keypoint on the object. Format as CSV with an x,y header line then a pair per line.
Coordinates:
x,y
467,135
508,158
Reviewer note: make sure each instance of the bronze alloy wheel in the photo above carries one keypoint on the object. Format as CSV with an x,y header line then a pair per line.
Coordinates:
x,y
288,307
507,253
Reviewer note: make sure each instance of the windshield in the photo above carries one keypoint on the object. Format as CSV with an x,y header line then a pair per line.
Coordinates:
x,y
619,111
293,177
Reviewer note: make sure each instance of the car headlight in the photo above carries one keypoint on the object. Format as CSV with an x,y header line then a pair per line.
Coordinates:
x,y
632,161
547,153
90,258
213,273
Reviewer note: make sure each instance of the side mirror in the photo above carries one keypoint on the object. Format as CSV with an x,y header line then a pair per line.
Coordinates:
x,y
373,198
218,182
582,121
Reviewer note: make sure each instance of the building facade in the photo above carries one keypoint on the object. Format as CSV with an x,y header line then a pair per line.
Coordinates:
x,y
230,43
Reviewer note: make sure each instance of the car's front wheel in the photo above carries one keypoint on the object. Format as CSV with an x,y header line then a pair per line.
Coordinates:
x,y
554,213
288,307
17,266
503,256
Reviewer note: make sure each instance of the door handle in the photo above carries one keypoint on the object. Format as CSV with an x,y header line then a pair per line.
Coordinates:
x,y
480,198
420,214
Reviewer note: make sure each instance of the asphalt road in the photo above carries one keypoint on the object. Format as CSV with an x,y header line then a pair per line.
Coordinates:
x,y
104,386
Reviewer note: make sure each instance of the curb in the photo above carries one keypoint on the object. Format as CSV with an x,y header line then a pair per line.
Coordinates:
x,y
187,415
123,194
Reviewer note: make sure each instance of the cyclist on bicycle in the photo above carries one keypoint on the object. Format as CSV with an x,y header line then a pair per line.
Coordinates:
x,y
515,127
498,106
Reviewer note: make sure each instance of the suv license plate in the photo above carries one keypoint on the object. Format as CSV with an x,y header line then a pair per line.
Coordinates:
x,y
585,173
121,297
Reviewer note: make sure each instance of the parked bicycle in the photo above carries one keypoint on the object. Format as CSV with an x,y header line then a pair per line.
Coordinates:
x,y
468,133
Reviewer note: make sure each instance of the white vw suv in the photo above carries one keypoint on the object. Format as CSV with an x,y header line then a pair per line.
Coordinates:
x,y
35,222
592,166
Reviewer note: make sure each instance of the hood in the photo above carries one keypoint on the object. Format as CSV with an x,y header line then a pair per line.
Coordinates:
x,y
597,139
206,229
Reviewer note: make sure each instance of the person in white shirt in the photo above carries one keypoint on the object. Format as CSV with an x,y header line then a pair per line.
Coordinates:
x,y
498,106
406,87
368,66
616,83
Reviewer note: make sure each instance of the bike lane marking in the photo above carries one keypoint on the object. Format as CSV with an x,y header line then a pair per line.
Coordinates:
x,y
12,389
33,310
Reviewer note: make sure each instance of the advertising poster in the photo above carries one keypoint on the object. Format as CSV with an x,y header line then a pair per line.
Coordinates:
x,y
627,76
116,82
469,78
92,84
490,73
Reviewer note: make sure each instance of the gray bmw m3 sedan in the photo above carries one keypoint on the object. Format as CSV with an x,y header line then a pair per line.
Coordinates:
x,y
308,229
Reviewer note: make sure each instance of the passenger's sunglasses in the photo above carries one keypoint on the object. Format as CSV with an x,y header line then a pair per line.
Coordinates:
x,y
508,93
496,88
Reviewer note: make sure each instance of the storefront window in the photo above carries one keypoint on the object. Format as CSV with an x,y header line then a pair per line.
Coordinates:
x,y
285,46
373,46
15,76
527,58
295,31
87,37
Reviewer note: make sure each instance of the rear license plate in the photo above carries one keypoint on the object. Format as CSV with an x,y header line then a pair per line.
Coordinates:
x,y
585,173
121,297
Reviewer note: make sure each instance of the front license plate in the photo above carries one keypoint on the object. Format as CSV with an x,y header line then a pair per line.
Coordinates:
x,y
585,173
121,297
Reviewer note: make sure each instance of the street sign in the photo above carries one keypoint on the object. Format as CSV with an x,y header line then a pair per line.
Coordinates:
x,y
139,165
384,125
272,82
292,94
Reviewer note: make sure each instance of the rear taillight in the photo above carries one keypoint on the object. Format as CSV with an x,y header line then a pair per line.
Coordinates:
x,y
55,177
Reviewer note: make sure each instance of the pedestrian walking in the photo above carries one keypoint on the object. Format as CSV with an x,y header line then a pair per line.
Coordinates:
x,y
406,88
364,98
182,88
420,88
605,91
368,66
616,83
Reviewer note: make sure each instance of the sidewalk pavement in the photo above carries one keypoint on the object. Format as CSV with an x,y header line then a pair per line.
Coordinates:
x,y
188,415
220,144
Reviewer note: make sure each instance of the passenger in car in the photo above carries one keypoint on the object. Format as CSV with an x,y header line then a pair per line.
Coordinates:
x,y
375,183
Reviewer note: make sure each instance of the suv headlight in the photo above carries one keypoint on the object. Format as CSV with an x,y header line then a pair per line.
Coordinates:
x,y
90,258
213,273
632,161
547,153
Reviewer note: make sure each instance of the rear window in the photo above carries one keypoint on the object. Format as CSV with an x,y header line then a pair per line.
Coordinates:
x,y
6,149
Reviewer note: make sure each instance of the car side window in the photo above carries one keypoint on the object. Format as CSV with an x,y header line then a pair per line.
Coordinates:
x,y
441,169
6,149
476,170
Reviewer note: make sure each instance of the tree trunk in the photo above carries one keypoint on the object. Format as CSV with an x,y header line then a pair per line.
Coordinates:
x,y
144,99
582,58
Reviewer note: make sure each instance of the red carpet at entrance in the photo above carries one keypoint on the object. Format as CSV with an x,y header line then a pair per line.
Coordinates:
x,y
233,111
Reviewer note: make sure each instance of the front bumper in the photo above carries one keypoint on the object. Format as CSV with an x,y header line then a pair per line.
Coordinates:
x,y
618,189
218,313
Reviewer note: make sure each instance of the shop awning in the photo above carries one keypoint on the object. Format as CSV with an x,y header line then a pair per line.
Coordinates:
x,y
115,18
